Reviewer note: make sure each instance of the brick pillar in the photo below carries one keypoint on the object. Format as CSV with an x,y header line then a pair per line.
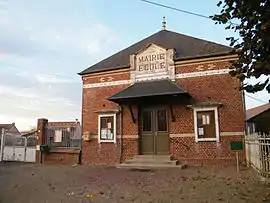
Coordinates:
x,y
41,124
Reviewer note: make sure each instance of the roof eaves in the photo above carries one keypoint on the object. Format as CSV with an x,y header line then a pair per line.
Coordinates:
x,y
85,72
203,56
257,114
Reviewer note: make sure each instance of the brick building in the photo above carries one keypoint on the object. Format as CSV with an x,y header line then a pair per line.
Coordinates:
x,y
168,94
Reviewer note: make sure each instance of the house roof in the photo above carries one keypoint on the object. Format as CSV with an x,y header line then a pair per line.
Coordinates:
x,y
184,46
64,123
29,132
250,113
7,126
147,89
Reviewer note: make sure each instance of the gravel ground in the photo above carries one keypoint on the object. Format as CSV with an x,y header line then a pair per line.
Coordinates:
x,y
29,183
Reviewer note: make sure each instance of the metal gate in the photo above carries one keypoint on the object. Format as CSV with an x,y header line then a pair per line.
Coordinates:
x,y
15,147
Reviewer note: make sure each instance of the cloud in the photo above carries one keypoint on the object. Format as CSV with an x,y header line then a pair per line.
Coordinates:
x,y
26,35
51,78
41,53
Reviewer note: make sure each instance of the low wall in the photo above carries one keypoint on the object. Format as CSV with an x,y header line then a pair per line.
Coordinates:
x,y
62,156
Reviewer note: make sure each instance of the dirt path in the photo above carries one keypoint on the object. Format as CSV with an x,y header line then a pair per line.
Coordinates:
x,y
29,183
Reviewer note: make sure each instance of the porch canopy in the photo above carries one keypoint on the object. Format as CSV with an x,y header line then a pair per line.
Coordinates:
x,y
160,91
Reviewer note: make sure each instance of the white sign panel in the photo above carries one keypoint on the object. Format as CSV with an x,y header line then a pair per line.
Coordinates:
x,y
151,63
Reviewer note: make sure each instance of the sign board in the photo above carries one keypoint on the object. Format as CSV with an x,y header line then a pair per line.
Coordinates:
x,y
151,63
236,145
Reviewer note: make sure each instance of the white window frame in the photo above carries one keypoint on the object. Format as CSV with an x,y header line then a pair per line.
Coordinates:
x,y
114,128
195,111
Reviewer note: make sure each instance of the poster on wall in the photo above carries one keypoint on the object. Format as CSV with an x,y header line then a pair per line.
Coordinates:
x,y
201,132
106,134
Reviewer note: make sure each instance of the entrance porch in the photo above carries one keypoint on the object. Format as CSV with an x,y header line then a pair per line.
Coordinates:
x,y
153,101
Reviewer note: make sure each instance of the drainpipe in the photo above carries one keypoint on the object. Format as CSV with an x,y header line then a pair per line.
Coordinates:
x,y
121,134
245,110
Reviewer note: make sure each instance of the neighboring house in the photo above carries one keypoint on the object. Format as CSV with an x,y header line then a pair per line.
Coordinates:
x,y
168,94
258,120
29,133
9,128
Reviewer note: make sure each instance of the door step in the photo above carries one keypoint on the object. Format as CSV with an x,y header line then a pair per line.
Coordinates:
x,y
150,162
148,166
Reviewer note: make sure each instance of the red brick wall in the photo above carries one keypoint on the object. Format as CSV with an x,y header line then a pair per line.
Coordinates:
x,y
108,153
221,88
203,66
61,158
95,99
106,77
188,151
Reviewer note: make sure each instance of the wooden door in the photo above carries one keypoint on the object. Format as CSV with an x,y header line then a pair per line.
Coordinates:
x,y
154,131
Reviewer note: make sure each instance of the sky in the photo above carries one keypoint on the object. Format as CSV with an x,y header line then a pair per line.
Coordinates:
x,y
44,44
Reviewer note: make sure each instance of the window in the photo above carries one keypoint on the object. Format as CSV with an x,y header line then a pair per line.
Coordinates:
x,y
107,128
206,124
147,121
58,136
162,120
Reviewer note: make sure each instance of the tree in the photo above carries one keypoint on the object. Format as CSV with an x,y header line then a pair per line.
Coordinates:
x,y
253,46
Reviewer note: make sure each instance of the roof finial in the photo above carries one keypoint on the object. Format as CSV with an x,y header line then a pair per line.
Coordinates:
x,y
164,23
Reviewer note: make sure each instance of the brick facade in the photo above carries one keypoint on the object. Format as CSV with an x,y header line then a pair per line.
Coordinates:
x,y
211,86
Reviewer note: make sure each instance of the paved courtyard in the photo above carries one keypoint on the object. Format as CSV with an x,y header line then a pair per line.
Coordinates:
x,y
29,183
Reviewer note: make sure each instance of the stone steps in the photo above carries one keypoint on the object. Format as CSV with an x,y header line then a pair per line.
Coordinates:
x,y
148,166
150,162
154,157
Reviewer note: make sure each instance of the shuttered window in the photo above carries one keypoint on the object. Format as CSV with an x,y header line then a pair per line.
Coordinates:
x,y
206,124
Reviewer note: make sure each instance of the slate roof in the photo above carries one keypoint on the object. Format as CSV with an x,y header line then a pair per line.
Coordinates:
x,y
147,89
185,47
250,113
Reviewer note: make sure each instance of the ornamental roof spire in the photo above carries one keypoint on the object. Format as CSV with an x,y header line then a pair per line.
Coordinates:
x,y
164,23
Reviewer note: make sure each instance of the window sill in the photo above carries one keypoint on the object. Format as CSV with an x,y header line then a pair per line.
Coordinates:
x,y
207,140
106,141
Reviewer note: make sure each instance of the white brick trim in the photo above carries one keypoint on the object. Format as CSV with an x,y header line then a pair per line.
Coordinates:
x,y
177,76
128,136
182,135
193,135
106,84
118,136
231,133
175,135
202,73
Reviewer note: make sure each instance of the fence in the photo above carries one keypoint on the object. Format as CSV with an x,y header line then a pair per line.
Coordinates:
x,y
63,136
258,153
15,147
